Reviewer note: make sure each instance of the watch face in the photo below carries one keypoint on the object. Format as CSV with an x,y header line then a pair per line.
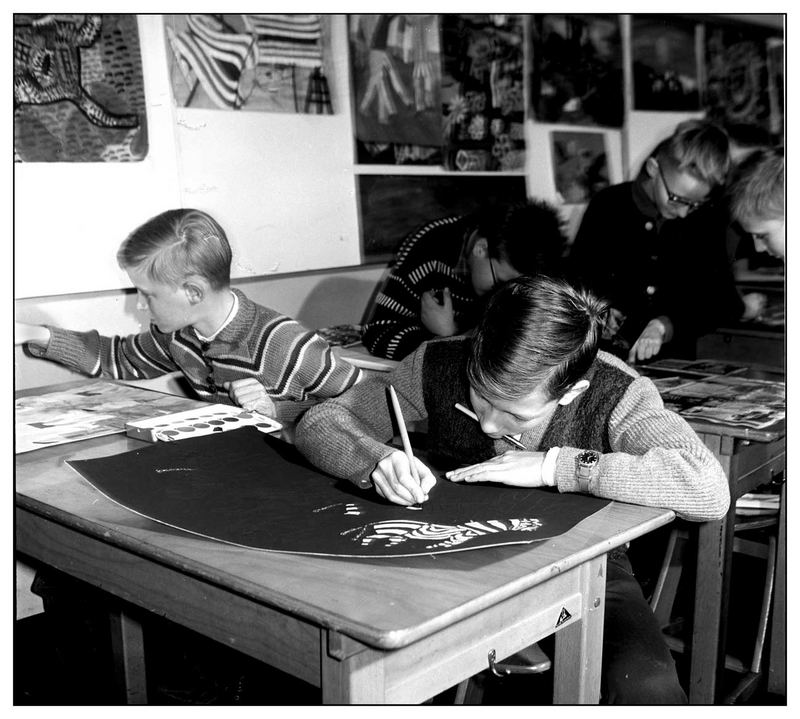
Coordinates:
x,y
588,458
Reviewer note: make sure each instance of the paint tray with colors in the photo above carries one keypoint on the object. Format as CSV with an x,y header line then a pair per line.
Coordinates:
x,y
211,419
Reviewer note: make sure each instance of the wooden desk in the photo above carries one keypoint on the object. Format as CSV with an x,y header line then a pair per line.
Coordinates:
x,y
748,464
750,458
365,631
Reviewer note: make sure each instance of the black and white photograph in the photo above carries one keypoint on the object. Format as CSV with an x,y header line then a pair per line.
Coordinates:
x,y
393,360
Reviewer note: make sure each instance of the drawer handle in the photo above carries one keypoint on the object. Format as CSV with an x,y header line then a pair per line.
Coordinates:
x,y
493,667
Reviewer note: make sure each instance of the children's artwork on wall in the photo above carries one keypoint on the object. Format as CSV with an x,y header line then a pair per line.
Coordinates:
x,y
394,205
248,489
78,89
483,92
776,93
396,75
576,73
737,82
579,165
266,62
665,67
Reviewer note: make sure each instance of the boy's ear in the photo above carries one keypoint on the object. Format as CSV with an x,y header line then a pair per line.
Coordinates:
x,y
481,247
574,391
651,166
195,289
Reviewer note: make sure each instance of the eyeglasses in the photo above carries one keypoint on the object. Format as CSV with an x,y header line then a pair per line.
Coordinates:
x,y
677,199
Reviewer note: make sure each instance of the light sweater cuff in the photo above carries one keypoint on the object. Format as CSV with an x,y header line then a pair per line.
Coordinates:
x,y
549,466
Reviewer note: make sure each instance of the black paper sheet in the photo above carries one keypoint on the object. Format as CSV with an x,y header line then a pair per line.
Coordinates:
x,y
252,490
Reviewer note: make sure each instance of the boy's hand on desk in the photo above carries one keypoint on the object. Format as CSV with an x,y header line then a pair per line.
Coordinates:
x,y
649,342
517,469
393,480
438,317
24,332
250,394
754,305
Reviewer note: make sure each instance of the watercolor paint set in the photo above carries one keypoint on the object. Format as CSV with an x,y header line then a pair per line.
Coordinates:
x,y
211,419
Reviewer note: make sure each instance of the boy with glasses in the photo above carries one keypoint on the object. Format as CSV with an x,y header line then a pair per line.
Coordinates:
x,y
445,269
229,349
655,247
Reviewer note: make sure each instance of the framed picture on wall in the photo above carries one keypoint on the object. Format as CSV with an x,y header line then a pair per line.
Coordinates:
x,y
576,70
580,166
665,64
248,61
482,92
78,89
737,77
393,205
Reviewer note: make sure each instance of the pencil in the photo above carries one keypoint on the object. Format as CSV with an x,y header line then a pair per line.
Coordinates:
x,y
398,414
507,437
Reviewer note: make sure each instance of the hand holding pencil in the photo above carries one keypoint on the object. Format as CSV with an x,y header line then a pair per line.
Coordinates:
x,y
400,477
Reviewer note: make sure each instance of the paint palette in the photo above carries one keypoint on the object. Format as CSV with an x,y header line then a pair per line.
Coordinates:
x,y
210,419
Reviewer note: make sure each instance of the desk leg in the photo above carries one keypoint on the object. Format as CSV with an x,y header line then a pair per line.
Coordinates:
x,y
127,646
707,606
579,646
350,673
776,678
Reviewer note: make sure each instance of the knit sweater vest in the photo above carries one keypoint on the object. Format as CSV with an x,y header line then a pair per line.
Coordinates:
x,y
454,437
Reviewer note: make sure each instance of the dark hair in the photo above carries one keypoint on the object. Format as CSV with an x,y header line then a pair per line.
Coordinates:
x,y
528,235
536,332
178,243
699,147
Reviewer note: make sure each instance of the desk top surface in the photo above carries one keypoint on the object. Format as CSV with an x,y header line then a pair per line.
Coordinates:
x,y
384,602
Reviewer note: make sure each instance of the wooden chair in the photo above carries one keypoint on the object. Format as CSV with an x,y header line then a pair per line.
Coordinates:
x,y
762,546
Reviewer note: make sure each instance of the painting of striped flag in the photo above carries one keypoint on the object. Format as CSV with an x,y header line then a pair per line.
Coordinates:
x,y
268,62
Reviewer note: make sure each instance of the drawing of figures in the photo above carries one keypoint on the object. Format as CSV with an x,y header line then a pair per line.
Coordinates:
x,y
248,62
397,78
482,92
78,89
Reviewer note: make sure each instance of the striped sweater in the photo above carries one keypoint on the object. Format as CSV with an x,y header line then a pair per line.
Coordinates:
x,y
431,258
295,365
649,454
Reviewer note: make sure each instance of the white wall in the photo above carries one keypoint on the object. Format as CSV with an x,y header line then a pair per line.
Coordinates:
x,y
281,184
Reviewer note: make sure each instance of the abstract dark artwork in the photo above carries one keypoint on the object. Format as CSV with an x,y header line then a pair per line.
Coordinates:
x,y
665,67
483,92
737,84
394,205
266,62
252,490
78,89
579,165
576,73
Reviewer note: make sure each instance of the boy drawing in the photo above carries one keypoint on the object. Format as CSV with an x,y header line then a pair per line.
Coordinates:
x,y
446,268
589,423
229,349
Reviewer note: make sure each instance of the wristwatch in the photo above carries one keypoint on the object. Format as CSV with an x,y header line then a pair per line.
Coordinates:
x,y
585,464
